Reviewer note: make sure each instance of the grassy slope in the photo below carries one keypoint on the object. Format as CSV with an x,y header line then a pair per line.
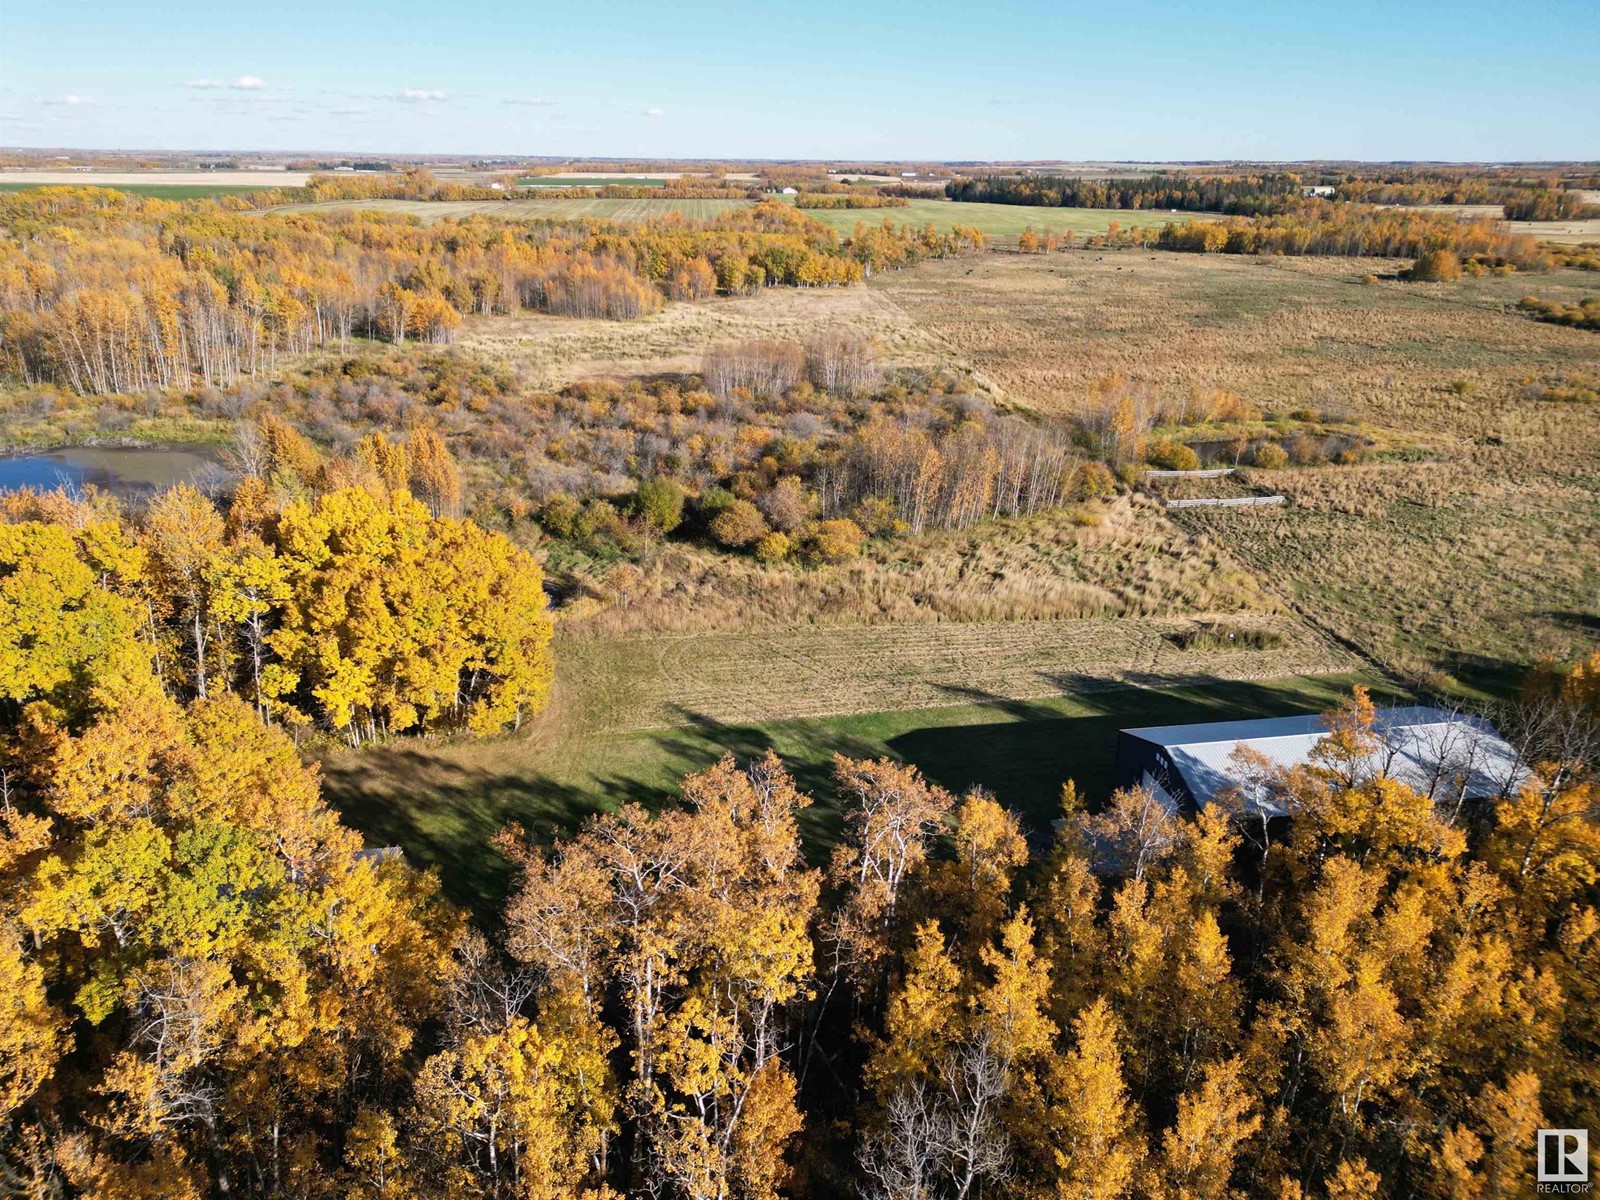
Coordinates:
x,y
444,802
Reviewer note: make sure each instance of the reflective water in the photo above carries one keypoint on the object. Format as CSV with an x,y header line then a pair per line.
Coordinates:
x,y
129,471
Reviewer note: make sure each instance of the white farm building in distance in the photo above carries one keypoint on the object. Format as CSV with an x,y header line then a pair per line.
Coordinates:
x,y
1447,756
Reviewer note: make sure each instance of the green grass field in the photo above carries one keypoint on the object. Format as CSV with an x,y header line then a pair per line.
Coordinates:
x,y
1004,221
996,220
160,191
443,802
561,210
555,181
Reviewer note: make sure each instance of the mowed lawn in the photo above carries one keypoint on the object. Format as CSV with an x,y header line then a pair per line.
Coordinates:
x,y
442,802
625,211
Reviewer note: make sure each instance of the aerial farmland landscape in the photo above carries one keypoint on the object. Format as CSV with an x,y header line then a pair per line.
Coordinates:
x,y
689,605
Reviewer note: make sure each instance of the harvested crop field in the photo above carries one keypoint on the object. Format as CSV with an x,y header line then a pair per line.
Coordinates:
x,y
429,211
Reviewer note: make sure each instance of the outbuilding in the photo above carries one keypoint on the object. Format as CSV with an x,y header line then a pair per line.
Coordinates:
x,y
1448,756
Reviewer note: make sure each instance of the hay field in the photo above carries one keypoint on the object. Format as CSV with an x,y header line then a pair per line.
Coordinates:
x,y
1469,549
429,211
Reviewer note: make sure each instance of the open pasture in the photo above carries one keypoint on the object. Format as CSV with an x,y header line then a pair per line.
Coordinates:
x,y
1003,221
1469,548
591,180
429,211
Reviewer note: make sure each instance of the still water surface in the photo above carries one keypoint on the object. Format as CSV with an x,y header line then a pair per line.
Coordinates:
x,y
129,471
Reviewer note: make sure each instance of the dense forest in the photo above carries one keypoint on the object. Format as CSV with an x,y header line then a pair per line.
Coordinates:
x,y
211,990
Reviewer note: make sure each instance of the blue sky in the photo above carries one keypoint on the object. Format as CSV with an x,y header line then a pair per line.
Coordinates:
x,y
1146,80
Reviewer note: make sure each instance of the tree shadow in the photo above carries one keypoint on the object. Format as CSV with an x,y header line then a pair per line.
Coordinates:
x,y
444,813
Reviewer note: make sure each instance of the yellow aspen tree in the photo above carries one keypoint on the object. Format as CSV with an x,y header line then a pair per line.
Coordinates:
x,y
1099,1148
1199,1152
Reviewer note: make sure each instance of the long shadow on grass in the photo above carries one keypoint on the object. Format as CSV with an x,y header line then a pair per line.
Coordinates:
x,y
444,815
1026,757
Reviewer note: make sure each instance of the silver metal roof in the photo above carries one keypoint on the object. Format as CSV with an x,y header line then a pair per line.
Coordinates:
x,y
1439,753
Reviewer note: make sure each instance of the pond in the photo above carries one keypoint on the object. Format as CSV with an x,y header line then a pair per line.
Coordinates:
x,y
130,472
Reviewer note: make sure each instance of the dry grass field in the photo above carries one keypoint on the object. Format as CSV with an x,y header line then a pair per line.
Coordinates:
x,y
553,350
1470,547
1000,221
1571,233
1121,559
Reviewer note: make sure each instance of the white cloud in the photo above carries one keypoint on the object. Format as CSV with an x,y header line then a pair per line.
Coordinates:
x,y
654,112
536,102
249,83
424,95
72,98
204,83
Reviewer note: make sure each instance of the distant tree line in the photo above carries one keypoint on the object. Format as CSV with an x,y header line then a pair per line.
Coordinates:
x,y
1244,195
1323,227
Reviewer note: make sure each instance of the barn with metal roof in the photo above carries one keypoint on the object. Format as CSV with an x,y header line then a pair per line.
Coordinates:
x,y
1446,755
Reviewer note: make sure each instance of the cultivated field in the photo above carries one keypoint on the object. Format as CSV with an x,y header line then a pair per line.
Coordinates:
x,y
429,211
1472,545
